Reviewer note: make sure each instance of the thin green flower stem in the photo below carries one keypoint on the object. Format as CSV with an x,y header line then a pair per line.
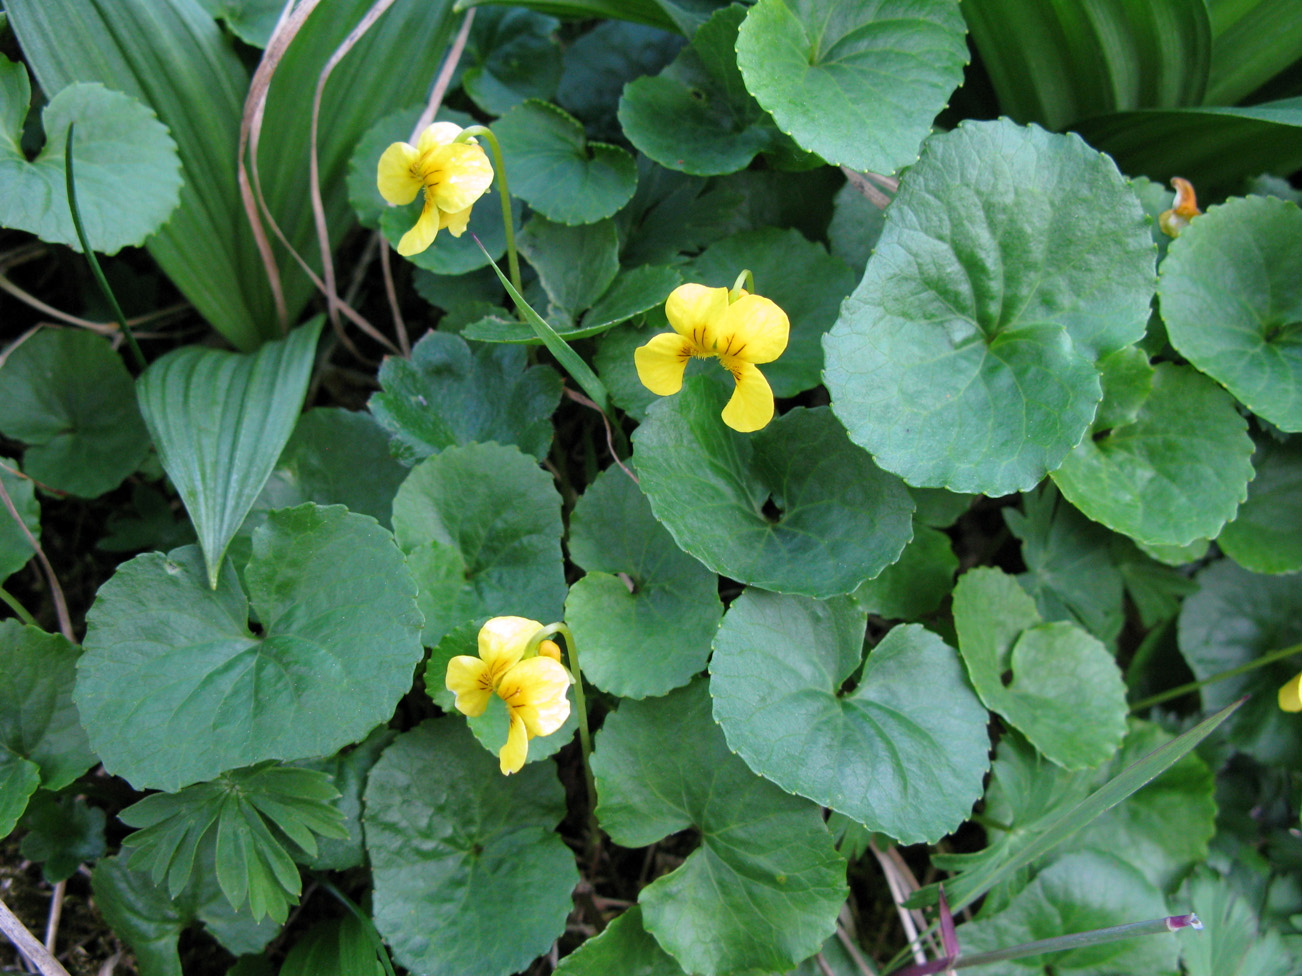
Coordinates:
x,y
19,610
585,737
1113,933
745,279
367,925
1176,692
513,259
90,254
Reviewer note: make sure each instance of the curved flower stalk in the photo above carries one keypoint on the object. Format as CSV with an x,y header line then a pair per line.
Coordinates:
x,y
533,687
453,174
738,328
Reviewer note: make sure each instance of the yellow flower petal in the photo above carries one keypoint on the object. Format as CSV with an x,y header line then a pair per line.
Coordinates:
x,y
435,135
422,235
753,329
471,681
538,681
550,649
511,758
457,175
455,222
660,363
502,641
1290,696
396,175
751,405
691,310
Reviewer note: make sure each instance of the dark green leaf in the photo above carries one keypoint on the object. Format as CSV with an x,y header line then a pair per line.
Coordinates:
x,y
1251,43
15,548
625,947
1266,534
575,264
348,770
915,585
511,55
1233,941
335,947
62,832
599,64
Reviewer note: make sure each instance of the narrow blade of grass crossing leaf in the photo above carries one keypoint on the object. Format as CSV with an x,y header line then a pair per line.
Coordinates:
x,y
965,888
567,357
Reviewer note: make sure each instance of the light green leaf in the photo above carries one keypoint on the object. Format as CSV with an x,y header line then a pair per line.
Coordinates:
x,y
915,585
1233,619
174,687
448,394
646,612
15,548
19,779
764,888
857,82
625,947
1065,692
38,721
1176,474
1063,60
886,753
555,169
1231,294
1127,381
839,519
575,264
128,178
84,437
219,421
252,21
966,357
453,844
799,276
1266,534
696,115
511,55
481,524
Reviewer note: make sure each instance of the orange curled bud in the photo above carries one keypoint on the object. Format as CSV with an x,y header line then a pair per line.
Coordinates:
x,y
1176,219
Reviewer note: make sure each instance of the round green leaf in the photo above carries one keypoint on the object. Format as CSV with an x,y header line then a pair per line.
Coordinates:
x,y
1011,260
645,613
903,753
511,55
1233,619
598,64
841,519
915,585
482,526
624,947
1266,534
446,394
575,264
1177,474
554,169
1053,682
15,548
800,276
38,721
174,687
19,779
128,176
84,437
470,875
764,888
1231,294
857,82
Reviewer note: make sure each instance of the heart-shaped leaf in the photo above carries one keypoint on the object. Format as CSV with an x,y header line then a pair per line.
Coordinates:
x,y
128,176
856,81
965,358
764,888
511,55
175,687
219,421
840,520
15,547
1231,294
915,585
470,875
886,754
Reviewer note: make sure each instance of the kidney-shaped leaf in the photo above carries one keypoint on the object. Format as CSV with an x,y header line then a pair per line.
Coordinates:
x,y
903,753
1012,259
470,875
857,82
175,687
842,520
764,888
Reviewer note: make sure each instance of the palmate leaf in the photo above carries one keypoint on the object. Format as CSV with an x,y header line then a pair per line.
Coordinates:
x,y
242,819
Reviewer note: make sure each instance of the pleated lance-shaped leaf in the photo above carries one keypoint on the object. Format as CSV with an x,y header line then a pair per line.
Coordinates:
x,y
454,845
839,519
903,753
1231,298
219,421
1012,260
856,81
175,687
1065,693
646,612
764,888
1251,43
1174,475
1266,534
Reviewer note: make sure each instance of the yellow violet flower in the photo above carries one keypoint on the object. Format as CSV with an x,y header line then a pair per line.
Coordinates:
x,y
533,688
1184,210
453,175
740,332
1290,695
